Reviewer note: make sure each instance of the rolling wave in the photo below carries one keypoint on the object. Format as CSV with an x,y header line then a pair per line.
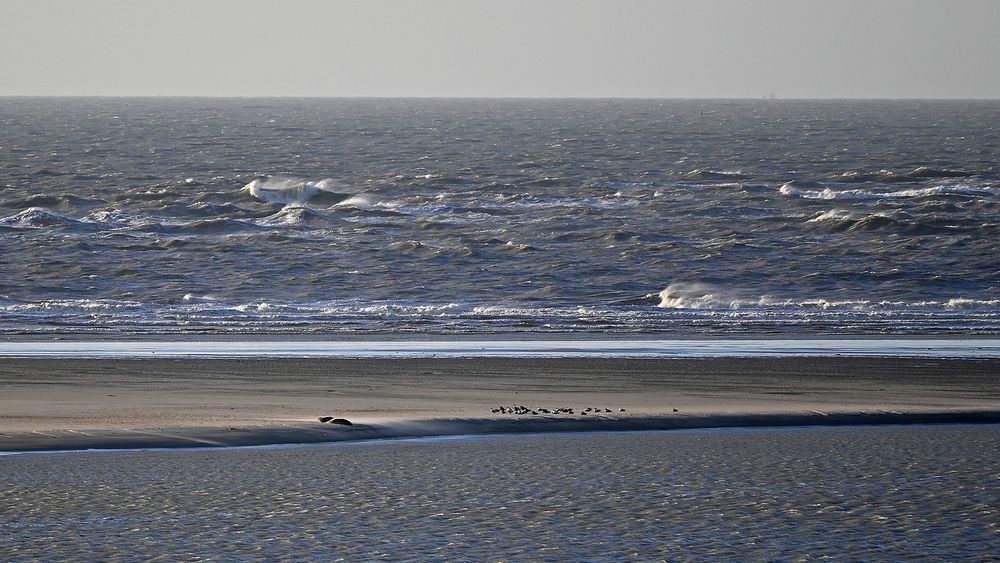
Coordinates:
x,y
430,217
711,311
859,194
284,191
37,218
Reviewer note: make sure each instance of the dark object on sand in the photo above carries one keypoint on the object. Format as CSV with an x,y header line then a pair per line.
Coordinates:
x,y
325,418
342,421
675,410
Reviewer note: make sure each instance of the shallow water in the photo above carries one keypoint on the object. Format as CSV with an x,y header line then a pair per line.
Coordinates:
x,y
924,347
499,216
778,494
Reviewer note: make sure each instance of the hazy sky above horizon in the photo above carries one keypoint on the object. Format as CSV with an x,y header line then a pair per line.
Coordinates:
x,y
545,48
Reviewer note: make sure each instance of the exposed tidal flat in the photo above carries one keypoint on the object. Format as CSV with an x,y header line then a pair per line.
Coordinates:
x,y
887,493
60,403
845,492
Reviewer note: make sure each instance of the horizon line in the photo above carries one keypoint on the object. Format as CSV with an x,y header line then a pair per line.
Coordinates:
x,y
418,97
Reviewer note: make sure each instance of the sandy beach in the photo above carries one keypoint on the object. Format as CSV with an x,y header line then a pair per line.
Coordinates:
x,y
51,404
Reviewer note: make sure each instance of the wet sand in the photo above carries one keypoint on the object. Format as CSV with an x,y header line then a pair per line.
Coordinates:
x,y
50,404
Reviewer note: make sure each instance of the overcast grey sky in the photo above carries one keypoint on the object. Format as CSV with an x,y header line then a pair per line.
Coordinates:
x,y
586,48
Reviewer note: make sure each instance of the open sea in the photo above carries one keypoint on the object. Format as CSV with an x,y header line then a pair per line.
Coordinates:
x,y
445,217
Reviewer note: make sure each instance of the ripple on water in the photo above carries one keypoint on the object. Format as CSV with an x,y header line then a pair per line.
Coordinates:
x,y
886,493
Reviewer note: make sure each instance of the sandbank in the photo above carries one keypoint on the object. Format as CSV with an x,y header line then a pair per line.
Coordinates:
x,y
60,404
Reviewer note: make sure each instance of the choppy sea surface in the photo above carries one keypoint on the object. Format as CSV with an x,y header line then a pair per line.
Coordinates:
x,y
855,493
333,216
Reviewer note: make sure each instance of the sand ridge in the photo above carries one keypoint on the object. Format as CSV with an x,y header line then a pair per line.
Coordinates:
x,y
59,403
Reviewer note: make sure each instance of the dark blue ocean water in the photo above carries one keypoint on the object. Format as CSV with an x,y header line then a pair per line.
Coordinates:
x,y
499,216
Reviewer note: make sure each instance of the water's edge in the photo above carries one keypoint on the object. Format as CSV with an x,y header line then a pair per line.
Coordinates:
x,y
958,348
312,433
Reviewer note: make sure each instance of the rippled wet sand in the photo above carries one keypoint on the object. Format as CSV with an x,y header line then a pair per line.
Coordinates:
x,y
779,494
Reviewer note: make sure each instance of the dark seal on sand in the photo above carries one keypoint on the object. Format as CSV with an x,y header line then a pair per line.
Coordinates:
x,y
325,418
342,421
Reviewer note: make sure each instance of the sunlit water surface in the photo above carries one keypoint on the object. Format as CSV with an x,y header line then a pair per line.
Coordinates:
x,y
348,216
885,493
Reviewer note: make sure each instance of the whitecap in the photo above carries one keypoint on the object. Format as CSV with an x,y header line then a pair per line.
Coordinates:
x,y
693,295
253,307
294,215
791,189
35,218
835,215
286,190
360,201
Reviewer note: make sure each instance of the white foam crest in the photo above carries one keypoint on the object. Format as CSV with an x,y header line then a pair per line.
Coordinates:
x,y
508,311
864,195
73,304
284,190
261,307
116,218
289,216
407,309
360,201
193,297
846,216
620,201
292,215
835,215
962,303
694,295
36,217
959,189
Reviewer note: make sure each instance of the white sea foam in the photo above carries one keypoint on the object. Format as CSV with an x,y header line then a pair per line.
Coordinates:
x,y
792,190
69,304
739,312
369,202
961,302
835,215
195,298
36,217
284,190
359,201
114,218
293,215
254,307
695,295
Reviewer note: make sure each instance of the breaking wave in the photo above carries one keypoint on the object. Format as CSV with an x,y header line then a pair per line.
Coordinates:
x,y
36,218
708,310
695,295
517,215
794,189
283,191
